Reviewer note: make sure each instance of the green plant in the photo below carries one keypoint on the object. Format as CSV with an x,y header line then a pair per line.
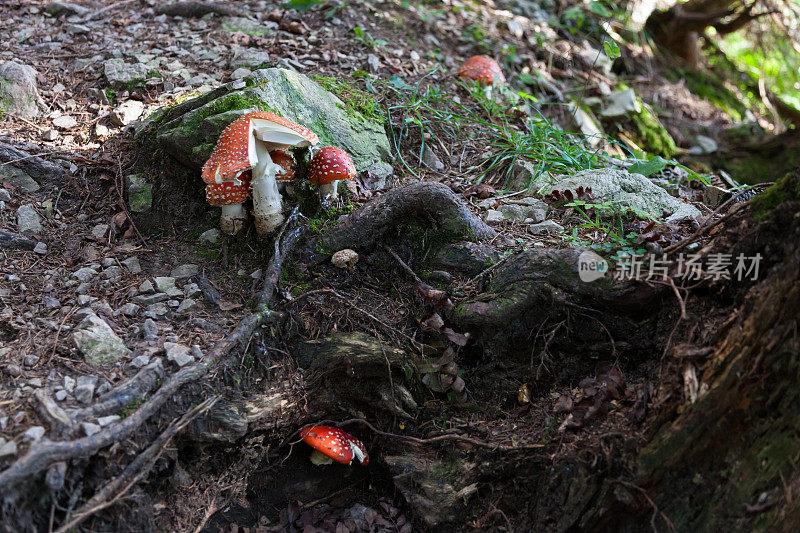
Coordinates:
x,y
608,229
365,38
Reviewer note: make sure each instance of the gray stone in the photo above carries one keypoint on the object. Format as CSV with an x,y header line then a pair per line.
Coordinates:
x,y
40,248
621,104
84,389
624,193
178,353
5,196
33,434
548,227
30,360
191,289
50,135
65,122
84,274
165,283
85,299
210,236
61,395
146,287
150,299
157,310
127,112
97,342
140,361
703,145
129,309
51,302
121,75
431,160
65,8
108,420
140,193
587,124
18,178
240,73
379,173
150,330
187,306
521,212
90,429
290,94
184,271
132,264
69,383
246,26
99,231
8,449
493,216
35,382
28,220
249,57
18,92
113,273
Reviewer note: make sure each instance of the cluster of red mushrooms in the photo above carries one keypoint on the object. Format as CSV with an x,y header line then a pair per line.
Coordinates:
x,y
252,155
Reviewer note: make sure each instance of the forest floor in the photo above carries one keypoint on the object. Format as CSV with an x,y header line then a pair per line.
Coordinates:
x,y
96,257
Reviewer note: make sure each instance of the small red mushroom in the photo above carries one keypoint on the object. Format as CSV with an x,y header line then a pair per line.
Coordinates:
x,y
332,444
285,161
230,195
482,69
327,167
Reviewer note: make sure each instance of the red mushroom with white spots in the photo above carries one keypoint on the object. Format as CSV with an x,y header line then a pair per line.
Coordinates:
x,y
329,166
332,444
245,145
283,159
230,195
230,158
482,69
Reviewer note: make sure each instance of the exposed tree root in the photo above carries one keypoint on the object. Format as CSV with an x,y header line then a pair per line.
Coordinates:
x,y
434,202
136,470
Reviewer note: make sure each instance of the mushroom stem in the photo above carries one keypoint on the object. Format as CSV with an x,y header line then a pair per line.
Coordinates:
x,y
267,200
319,458
232,219
330,190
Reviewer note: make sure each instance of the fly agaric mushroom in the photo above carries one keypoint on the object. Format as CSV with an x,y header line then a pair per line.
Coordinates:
x,y
328,167
245,144
230,195
285,161
332,444
482,69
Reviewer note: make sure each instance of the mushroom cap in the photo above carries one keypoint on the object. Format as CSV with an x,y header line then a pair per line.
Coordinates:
x,y
330,164
278,132
230,192
482,69
285,161
335,443
236,151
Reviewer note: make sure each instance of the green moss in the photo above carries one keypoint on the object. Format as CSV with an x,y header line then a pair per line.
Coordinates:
x,y
192,123
356,101
651,135
785,190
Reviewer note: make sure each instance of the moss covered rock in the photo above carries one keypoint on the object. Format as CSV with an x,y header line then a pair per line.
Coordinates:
x,y
18,93
190,130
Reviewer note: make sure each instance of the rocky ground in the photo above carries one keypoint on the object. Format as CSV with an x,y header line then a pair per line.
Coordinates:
x,y
99,286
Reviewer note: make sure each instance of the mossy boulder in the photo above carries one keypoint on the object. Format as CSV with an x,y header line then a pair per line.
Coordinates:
x,y
190,130
18,92
650,135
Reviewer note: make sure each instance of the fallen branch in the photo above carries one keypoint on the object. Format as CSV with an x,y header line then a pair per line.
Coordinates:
x,y
431,201
198,9
136,470
45,452
16,241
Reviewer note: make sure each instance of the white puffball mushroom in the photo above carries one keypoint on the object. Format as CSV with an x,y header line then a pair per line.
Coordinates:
x,y
346,258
